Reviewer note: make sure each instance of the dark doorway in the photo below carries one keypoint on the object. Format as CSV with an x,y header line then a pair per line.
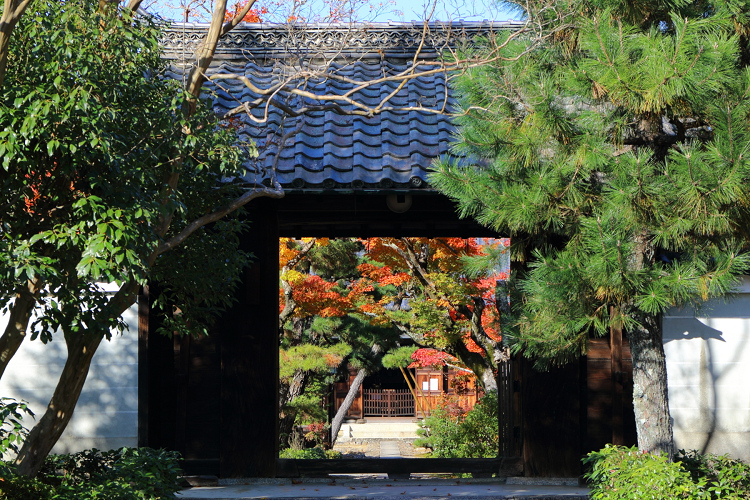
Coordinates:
x,y
216,399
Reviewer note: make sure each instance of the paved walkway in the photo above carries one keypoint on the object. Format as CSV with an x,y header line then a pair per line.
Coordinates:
x,y
389,449
346,488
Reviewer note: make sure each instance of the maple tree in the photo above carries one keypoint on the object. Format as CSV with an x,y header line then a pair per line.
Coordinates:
x,y
251,16
419,286
424,290
320,327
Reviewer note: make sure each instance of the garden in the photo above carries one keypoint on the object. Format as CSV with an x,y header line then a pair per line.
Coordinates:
x,y
123,474
619,472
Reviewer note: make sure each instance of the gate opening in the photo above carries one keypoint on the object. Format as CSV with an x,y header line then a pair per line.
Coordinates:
x,y
387,340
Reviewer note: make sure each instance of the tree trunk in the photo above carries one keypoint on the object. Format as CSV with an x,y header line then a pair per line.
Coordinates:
x,y
489,381
477,363
417,399
44,435
650,400
12,12
296,388
348,400
15,331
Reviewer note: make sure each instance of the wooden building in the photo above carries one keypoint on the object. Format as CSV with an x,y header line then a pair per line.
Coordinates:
x,y
215,399
405,399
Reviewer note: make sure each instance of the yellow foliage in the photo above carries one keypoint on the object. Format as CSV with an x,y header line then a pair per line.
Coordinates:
x,y
294,278
286,252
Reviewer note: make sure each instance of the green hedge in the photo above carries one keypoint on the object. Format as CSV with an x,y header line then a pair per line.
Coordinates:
x,y
451,433
309,453
124,474
618,472
725,477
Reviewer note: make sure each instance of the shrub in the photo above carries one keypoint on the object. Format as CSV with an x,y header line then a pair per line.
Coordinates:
x,y
309,453
316,432
726,478
618,472
12,431
13,487
124,474
153,472
76,468
452,433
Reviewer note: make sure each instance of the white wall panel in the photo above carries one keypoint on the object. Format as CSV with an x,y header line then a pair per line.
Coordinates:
x,y
107,413
708,369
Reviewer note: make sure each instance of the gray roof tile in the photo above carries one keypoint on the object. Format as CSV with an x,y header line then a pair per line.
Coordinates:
x,y
391,150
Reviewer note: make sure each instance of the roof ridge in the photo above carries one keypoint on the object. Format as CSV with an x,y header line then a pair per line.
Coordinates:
x,y
291,40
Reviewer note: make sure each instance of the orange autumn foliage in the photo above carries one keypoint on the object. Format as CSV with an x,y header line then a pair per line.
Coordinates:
x,y
316,297
35,184
388,282
252,16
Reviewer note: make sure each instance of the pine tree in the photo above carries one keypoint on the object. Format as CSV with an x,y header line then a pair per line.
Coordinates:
x,y
610,144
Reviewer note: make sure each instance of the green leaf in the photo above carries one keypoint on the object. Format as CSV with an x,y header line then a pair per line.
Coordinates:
x,y
36,238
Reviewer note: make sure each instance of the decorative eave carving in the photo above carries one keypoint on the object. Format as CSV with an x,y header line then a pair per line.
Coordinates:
x,y
383,39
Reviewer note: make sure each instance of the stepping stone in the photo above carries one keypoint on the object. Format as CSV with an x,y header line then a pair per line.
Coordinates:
x,y
389,449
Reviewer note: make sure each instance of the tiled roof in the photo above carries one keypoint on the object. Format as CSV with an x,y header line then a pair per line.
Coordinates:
x,y
325,149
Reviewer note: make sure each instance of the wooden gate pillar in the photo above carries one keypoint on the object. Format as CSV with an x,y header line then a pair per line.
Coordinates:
x,y
250,356
615,345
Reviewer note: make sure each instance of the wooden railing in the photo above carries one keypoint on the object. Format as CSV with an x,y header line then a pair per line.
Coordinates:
x,y
429,400
388,403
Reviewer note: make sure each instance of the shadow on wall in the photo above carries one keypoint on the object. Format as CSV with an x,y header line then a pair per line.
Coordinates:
x,y
709,401
106,416
693,328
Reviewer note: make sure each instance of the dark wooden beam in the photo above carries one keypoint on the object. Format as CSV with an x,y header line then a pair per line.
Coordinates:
x,y
618,391
250,357
367,215
182,380
511,466
144,312
551,420
200,467
156,378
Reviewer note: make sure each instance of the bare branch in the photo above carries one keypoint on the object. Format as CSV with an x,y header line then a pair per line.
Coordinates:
x,y
205,54
198,223
347,102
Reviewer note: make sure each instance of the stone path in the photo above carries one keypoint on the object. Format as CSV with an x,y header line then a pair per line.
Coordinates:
x,y
373,448
389,449
383,489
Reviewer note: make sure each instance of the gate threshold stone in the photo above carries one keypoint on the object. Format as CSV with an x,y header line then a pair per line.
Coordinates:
x,y
383,489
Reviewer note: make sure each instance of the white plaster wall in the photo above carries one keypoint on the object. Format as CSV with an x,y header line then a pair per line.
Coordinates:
x,y
708,371
106,416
